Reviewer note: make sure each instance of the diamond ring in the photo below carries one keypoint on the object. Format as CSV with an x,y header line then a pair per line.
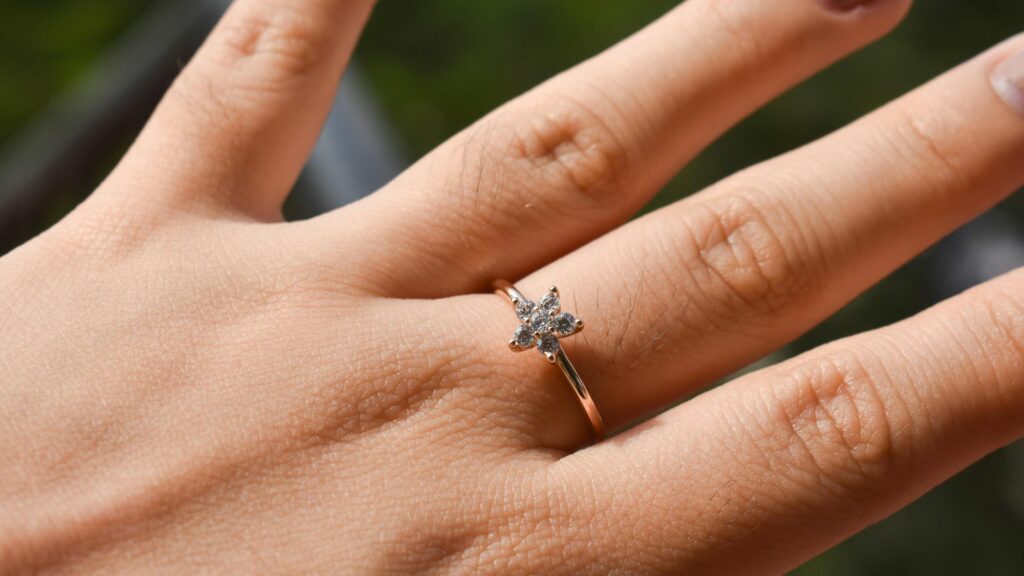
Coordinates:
x,y
542,324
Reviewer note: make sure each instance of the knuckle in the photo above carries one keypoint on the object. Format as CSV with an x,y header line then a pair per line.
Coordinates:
x,y
932,148
997,318
743,31
570,145
1007,314
281,42
257,52
736,246
835,417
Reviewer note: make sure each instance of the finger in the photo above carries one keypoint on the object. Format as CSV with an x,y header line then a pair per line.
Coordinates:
x,y
697,290
238,124
582,152
763,473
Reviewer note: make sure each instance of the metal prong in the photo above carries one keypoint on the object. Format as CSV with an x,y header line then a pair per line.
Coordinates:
x,y
554,289
516,347
551,357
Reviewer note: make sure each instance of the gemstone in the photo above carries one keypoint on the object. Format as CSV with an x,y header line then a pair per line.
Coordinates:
x,y
540,321
523,337
550,303
548,344
564,324
523,310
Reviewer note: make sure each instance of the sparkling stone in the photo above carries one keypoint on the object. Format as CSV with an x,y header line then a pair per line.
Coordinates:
x,y
548,344
523,310
524,336
550,303
564,324
540,321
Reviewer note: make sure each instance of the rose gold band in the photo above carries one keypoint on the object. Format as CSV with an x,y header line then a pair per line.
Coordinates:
x,y
559,357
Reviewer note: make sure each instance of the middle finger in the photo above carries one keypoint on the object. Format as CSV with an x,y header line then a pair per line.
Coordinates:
x,y
582,152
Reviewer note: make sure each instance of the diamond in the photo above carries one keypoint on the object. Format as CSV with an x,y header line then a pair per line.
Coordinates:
x,y
540,321
548,344
523,337
543,323
523,310
550,303
564,324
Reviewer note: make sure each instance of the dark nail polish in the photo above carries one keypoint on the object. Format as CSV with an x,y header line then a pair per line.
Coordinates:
x,y
843,5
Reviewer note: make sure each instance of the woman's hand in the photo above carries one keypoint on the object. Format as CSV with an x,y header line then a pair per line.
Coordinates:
x,y
191,385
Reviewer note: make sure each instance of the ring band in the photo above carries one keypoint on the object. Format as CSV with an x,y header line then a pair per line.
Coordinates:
x,y
542,324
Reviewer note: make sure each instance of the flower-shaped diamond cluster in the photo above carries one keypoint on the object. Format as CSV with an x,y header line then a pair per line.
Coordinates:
x,y
543,323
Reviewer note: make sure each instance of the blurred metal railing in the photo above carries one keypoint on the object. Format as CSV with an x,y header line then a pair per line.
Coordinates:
x,y
69,146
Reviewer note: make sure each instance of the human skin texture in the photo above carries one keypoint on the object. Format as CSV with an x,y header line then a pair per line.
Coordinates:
x,y
188,384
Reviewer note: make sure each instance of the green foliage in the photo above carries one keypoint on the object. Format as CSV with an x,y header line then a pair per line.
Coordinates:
x,y
46,45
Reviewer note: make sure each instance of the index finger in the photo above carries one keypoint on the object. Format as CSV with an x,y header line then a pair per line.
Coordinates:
x,y
238,124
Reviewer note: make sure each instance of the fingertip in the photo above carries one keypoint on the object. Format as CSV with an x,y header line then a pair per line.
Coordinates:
x,y
856,7
1007,79
841,27
880,15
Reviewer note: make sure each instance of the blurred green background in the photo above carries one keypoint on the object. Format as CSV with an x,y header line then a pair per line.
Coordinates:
x,y
435,66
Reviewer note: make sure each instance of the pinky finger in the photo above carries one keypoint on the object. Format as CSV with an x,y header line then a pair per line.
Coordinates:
x,y
764,473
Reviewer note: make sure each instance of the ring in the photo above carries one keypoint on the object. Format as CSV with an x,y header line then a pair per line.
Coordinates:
x,y
542,324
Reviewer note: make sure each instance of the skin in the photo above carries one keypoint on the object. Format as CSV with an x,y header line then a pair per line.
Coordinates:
x,y
191,385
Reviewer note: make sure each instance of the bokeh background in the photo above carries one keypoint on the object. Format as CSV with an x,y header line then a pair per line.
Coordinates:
x,y
78,77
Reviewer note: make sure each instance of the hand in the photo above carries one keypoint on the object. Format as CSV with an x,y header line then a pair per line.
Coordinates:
x,y
191,385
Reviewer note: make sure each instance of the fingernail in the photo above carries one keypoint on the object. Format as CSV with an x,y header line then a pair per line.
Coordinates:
x,y
1008,81
843,5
